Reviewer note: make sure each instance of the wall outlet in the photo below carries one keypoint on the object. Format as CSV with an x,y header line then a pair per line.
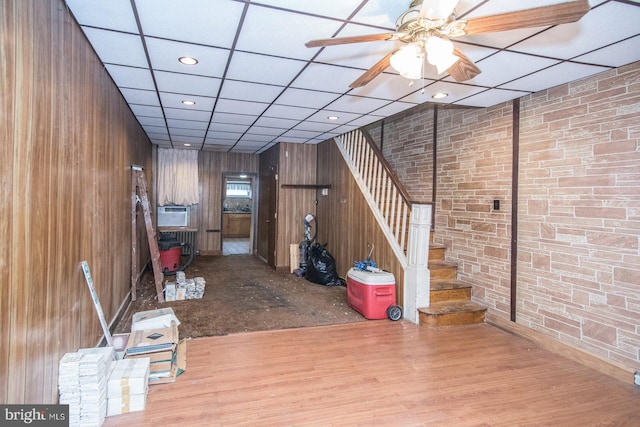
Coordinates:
x,y
636,378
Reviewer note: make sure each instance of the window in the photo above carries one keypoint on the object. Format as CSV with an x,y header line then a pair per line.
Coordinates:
x,y
239,189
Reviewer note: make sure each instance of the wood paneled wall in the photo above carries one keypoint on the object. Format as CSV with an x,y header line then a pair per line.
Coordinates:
x,y
207,215
345,221
297,166
67,142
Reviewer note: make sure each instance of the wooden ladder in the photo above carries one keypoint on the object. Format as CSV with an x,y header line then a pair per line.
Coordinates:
x,y
139,195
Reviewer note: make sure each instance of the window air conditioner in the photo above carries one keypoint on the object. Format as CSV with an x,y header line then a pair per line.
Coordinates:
x,y
173,216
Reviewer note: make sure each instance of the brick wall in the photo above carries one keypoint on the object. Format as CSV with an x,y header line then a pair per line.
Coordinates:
x,y
579,214
579,206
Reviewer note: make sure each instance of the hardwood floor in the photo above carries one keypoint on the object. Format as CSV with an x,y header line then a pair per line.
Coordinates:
x,y
383,373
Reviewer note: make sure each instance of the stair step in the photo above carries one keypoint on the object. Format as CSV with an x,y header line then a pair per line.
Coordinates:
x,y
452,313
449,290
436,252
443,270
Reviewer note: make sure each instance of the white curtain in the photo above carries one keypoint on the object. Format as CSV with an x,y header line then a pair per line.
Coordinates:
x,y
177,177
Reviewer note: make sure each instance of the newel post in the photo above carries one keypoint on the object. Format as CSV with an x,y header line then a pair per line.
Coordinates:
x,y
416,275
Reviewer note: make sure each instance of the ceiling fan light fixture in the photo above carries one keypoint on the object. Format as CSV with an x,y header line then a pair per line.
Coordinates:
x,y
408,61
440,53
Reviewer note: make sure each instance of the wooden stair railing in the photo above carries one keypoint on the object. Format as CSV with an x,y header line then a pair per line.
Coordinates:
x,y
406,224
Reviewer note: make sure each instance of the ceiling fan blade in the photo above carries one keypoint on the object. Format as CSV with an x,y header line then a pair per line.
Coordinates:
x,y
537,17
347,40
437,9
374,71
464,68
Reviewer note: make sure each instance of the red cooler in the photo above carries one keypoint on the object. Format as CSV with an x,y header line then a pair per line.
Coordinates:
x,y
371,293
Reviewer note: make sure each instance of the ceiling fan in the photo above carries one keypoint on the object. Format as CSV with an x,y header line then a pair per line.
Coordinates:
x,y
429,24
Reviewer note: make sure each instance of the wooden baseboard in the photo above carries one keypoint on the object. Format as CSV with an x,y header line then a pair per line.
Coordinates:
x,y
284,269
548,343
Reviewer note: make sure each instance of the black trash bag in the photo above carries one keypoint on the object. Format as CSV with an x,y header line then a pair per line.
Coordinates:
x,y
321,267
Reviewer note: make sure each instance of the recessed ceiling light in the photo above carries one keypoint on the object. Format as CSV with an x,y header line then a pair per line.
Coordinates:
x,y
439,95
187,60
187,145
189,102
333,117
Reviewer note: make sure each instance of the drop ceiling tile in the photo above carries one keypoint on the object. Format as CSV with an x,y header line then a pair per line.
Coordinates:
x,y
111,14
344,129
334,9
315,126
343,117
455,91
138,96
180,139
389,87
242,107
209,22
261,130
226,127
129,77
186,124
197,133
293,140
158,136
616,55
117,48
187,84
286,112
221,141
244,91
223,135
364,121
494,73
280,33
561,73
146,111
570,40
164,55
184,114
263,69
357,104
276,122
174,100
391,109
247,137
216,146
381,13
158,130
231,118
306,98
329,78
491,97
151,121
305,134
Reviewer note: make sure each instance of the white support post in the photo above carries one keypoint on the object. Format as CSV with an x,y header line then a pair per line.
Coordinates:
x,y
416,277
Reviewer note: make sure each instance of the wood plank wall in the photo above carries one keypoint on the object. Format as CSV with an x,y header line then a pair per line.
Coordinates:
x,y
67,142
345,221
297,166
207,215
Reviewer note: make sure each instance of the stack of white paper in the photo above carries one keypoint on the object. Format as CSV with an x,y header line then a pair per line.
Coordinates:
x,y
82,382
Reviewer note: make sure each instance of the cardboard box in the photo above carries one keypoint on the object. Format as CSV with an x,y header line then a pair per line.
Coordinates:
x,y
154,319
128,377
126,404
143,342
178,366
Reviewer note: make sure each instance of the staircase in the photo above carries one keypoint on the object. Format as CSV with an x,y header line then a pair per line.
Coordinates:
x,y
450,299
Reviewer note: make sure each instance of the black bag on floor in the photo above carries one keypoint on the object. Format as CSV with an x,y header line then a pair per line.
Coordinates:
x,y
321,267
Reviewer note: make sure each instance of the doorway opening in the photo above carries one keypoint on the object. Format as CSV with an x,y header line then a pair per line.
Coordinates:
x,y
238,207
